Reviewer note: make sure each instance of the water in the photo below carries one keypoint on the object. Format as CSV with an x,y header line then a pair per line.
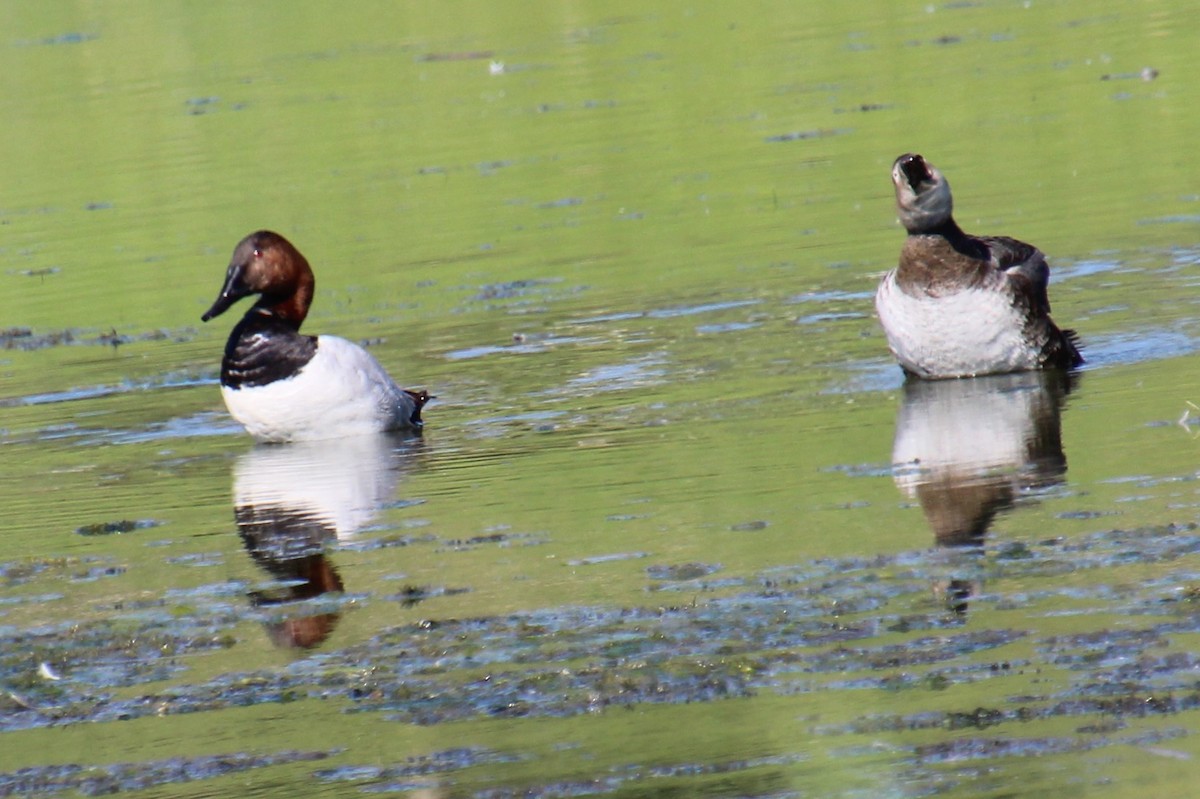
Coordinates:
x,y
652,541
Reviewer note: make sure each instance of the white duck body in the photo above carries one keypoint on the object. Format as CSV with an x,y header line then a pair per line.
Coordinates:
x,y
973,331
341,391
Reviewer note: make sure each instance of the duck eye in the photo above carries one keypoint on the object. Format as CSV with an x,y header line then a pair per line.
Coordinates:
x,y
257,252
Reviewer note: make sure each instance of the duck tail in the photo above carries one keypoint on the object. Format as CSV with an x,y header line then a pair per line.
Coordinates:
x,y
1068,356
419,399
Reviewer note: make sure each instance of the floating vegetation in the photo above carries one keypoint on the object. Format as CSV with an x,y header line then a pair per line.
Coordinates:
x,y
803,135
134,776
801,629
120,526
412,594
23,338
682,571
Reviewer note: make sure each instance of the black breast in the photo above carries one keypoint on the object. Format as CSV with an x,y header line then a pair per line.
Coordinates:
x,y
262,349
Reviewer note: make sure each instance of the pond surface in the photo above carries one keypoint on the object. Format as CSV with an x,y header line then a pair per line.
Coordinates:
x,y
676,527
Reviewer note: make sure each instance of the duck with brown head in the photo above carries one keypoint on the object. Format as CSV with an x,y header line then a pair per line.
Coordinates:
x,y
284,386
959,305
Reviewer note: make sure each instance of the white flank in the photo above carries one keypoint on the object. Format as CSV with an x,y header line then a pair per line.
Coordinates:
x,y
342,391
970,332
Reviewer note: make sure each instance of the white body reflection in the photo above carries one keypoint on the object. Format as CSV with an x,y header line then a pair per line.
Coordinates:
x,y
340,484
967,449
291,500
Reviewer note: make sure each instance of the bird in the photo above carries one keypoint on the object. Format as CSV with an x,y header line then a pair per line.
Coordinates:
x,y
284,386
958,305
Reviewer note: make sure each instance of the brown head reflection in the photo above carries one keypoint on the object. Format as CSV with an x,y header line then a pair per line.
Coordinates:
x,y
291,548
967,449
292,502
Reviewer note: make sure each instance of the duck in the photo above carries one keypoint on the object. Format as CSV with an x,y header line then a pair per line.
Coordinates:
x,y
958,305
284,386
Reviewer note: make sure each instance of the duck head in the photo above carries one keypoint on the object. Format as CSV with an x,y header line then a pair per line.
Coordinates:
x,y
922,193
267,264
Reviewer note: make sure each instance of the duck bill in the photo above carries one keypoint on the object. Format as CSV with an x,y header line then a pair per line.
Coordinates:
x,y
916,170
233,290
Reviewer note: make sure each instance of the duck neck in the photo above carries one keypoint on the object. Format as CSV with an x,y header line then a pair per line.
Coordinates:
x,y
290,307
947,228
954,235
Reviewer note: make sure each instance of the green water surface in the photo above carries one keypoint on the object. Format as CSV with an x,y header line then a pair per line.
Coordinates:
x,y
651,543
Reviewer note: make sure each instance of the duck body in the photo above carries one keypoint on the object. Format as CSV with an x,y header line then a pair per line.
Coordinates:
x,y
958,305
282,385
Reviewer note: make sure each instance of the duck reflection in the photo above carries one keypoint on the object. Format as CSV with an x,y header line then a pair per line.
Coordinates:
x,y
292,500
967,449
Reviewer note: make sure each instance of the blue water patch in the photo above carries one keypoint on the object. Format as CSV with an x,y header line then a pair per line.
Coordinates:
x,y
830,296
868,376
726,328
689,310
1136,347
1082,269
805,135
207,423
93,392
665,313
598,559
817,318
612,317
518,348
617,376
71,37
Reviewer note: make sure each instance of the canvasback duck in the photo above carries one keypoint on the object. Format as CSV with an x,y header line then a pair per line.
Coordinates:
x,y
959,305
284,386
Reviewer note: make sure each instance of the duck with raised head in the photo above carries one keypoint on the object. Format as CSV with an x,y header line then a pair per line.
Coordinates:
x,y
958,305
284,386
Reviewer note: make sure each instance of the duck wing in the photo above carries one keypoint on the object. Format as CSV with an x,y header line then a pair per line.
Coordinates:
x,y
1028,274
1026,269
